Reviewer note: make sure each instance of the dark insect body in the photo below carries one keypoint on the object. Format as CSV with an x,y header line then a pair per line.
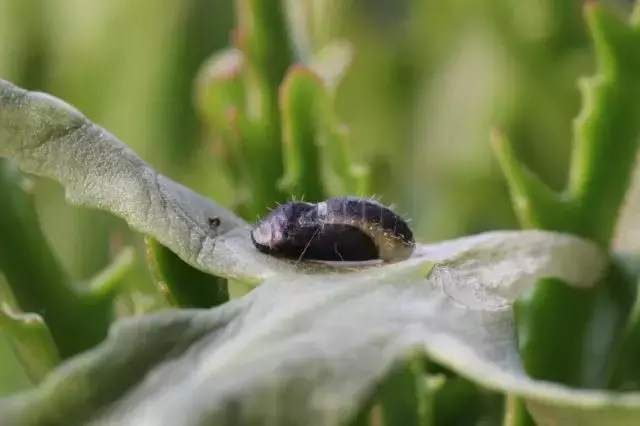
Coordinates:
x,y
338,229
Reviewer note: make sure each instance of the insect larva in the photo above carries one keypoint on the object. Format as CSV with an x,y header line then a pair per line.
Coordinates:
x,y
338,229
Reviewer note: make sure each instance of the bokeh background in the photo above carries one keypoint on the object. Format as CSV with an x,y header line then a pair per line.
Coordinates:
x,y
429,79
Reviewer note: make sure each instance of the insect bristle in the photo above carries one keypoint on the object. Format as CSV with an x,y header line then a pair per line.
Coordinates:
x,y
294,198
272,208
375,198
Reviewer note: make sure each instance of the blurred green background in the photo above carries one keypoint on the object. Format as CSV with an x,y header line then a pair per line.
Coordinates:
x,y
428,80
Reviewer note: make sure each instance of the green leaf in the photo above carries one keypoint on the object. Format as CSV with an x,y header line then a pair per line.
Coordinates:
x,y
31,341
626,371
592,327
455,392
262,38
218,87
342,173
608,128
188,287
300,118
566,335
105,284
536,205
219,99
606,140
403,395
317,156
42,287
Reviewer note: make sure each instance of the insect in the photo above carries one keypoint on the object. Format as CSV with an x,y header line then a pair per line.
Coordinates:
x,y
213,222
338,229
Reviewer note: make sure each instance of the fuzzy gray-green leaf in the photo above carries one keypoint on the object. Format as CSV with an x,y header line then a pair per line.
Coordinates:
x,y
308,348
48,137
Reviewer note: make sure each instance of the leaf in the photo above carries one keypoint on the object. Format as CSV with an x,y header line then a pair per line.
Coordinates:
x,y
535,204
219,100
106,283
307,345
186,286
607,129
76,319
50,138
570,336
299,107
317,154
31,341
307,348
403,395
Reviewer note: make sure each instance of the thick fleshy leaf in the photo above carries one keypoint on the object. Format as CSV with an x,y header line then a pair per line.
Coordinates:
x,y
31,341
307,348
299,95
